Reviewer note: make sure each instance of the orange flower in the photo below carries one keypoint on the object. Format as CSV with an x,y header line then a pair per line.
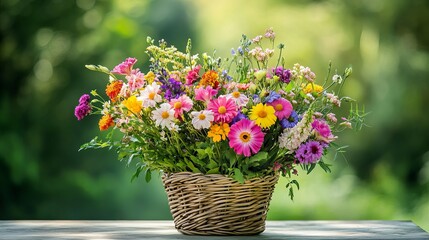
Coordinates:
x,y
209,78
218,132
105,122
113,89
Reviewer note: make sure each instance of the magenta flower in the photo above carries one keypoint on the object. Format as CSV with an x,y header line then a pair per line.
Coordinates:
x,y
125,67
245,137
84,99
283,108
84,108
193,75
205,94
323,131
181,104
309,152
224,109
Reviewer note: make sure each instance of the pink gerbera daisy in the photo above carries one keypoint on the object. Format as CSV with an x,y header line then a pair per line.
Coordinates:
x,y
245,137
181,104
224,109
283,108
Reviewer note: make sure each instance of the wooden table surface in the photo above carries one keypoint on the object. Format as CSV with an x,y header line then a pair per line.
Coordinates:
x,y
165,230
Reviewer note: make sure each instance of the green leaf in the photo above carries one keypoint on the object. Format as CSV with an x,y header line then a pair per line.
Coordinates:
x,y
213,171
290,86
95,143
296,183
258,157
198,161
201,153
148,176
192,167
238,175
291,193
325,167
310,169
137,173
289,185
212,164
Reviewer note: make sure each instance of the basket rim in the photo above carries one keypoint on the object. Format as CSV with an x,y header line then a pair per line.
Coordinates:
x,y
215,176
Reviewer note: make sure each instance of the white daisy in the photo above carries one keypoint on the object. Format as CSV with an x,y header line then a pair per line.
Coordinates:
x,y
239,98
174,127
202,119
149,96
163,116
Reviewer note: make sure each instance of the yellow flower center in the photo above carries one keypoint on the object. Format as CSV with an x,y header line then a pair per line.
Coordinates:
x,y
165,115
279,107
262,114
221,109
177,105
151,96
236,94
245,137
202,116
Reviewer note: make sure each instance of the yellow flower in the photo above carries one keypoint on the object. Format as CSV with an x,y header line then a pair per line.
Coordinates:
x,y
150,77
263,115
218,132
132,104
312,87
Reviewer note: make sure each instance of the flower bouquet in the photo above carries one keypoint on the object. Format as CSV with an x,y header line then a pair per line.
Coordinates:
x,y
212,125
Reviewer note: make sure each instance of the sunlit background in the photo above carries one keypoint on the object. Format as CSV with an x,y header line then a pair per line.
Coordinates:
x,y
46,43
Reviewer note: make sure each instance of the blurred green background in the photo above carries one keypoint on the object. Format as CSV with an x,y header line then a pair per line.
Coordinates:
x,y
46,43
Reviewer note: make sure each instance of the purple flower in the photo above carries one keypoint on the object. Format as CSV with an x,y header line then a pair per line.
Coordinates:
x,y
83,108
291,121
84,99
272,97
238,117
256,98
172,89
240,51
81,111
309,152
283,74
225,75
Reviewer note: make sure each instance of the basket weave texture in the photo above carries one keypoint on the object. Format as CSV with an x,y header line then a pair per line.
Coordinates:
x,y
218,205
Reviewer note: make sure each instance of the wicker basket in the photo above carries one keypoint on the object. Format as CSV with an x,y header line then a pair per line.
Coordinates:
x,y
218,205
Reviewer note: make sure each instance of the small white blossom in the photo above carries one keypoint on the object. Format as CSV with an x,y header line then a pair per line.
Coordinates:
x,y
291,138
174,127
337,78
